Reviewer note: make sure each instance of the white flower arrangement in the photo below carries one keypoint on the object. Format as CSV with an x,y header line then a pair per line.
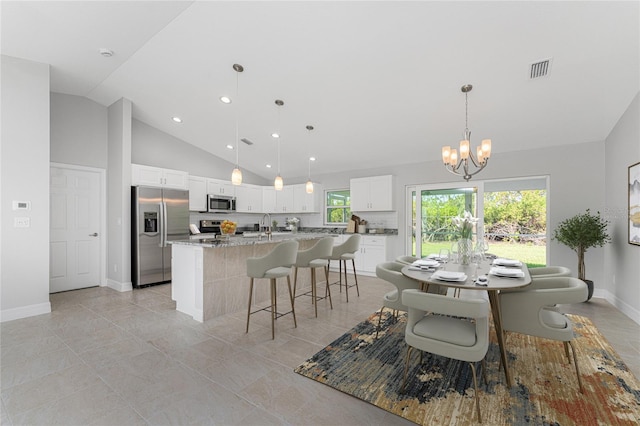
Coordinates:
x,y
465,224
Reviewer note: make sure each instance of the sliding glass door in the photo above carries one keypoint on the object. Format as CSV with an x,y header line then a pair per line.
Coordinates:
x,y
512,217
432,210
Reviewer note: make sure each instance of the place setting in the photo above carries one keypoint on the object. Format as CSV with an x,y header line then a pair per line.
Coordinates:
x,y
506,268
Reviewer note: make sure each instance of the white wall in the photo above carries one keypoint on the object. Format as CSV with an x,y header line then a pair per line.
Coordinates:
x,y
119,196
24,176
574,188
78,131
153,147
622,260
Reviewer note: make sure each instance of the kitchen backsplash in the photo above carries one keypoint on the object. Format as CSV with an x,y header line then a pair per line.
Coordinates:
x,y
308,221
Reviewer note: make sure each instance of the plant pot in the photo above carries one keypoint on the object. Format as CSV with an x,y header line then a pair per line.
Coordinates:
x,y
589,284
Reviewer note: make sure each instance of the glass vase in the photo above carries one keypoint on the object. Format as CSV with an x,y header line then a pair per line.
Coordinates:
x,y
465,250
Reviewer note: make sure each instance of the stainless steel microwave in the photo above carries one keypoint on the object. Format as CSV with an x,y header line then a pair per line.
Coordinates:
x,y
220,204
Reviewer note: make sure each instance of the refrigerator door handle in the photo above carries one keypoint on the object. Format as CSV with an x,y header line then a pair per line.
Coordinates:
x,y
161,222
165,231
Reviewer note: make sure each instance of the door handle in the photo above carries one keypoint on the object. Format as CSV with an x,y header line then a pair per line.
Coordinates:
x,y
95,234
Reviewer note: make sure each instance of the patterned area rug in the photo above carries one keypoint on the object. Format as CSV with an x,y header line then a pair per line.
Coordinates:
x,y
440,390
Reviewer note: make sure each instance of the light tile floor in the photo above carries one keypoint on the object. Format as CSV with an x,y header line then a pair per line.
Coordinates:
x,y
108,358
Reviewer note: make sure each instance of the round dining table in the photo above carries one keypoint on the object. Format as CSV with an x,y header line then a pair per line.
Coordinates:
x,y
494,285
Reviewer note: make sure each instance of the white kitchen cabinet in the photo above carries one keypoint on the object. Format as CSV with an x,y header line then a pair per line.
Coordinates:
x,y
159,177
372,251
284,200
249,199
306,203
268,199
197,193
220,187
373,193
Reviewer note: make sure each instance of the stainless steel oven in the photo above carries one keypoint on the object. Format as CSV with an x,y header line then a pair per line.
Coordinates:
x,y
220,204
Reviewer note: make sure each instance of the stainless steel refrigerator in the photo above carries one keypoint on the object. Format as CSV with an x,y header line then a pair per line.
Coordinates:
x,y
158,216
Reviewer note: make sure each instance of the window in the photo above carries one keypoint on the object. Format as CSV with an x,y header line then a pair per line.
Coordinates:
x,y
337,207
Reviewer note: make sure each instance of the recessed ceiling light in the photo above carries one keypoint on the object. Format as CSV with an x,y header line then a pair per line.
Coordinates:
x,y
107,53
177,119
275,135
225,99
268,166
229,146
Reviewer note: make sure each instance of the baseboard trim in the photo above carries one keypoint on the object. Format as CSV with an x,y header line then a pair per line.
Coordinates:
x,y
118,286
622,306
25,312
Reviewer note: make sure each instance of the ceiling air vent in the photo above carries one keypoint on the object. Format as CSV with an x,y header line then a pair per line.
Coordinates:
x,y
247,141
540,68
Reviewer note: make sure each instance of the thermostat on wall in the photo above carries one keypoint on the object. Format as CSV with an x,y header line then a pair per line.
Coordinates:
x,y
21,205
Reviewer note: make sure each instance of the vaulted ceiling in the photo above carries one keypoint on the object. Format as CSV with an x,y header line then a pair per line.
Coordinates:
x,y
379,81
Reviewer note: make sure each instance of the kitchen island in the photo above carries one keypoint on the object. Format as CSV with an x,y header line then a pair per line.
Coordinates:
x,y
209,276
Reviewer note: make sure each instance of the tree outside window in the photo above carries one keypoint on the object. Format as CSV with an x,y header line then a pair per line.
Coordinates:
x,y
337,207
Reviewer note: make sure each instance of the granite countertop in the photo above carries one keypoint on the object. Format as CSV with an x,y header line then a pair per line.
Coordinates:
x,y
239,240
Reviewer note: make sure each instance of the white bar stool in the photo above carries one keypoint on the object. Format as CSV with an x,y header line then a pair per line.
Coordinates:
x,y
276,264
342,253
312,258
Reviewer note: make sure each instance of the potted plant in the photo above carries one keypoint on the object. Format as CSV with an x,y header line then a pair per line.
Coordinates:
x,y
580,233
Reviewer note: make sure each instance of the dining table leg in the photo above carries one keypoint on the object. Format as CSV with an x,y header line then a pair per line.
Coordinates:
x,y
497,322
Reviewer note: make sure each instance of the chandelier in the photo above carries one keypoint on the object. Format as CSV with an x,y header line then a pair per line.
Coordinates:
x,y
450,156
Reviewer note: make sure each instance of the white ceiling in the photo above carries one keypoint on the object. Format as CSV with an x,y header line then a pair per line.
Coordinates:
x,y
379,81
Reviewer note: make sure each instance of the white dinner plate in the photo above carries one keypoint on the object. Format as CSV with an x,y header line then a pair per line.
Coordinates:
x,y
507,262
426,262
449,276
507,272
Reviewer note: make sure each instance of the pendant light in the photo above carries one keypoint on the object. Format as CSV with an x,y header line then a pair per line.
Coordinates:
x,y
278,183
236,175
309,186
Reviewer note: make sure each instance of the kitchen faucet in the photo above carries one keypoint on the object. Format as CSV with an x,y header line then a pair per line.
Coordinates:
x,y
268,224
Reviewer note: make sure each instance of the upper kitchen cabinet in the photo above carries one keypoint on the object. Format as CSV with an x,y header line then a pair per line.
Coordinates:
x,y
306,203
373,193
269,199
220,187
284,200
197,193
249,199
158,177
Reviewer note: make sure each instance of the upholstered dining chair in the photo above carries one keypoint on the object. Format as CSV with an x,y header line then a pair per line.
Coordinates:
x,y
456,328
391,272
275,264
343,252
530,311
312,258
406,260
549,272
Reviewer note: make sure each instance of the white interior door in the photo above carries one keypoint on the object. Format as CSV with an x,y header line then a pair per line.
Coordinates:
x,y
75,239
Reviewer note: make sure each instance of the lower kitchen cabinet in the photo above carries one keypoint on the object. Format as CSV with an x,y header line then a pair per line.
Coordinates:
x,y
373,250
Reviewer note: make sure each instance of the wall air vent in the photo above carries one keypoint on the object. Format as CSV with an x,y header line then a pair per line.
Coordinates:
x,y
247,141
540,68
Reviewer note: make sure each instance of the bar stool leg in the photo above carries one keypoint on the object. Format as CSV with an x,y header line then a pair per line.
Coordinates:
x,y
327,290
313,290
273,308
293,311
295,280
249,309
355,276
346,284
340,276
